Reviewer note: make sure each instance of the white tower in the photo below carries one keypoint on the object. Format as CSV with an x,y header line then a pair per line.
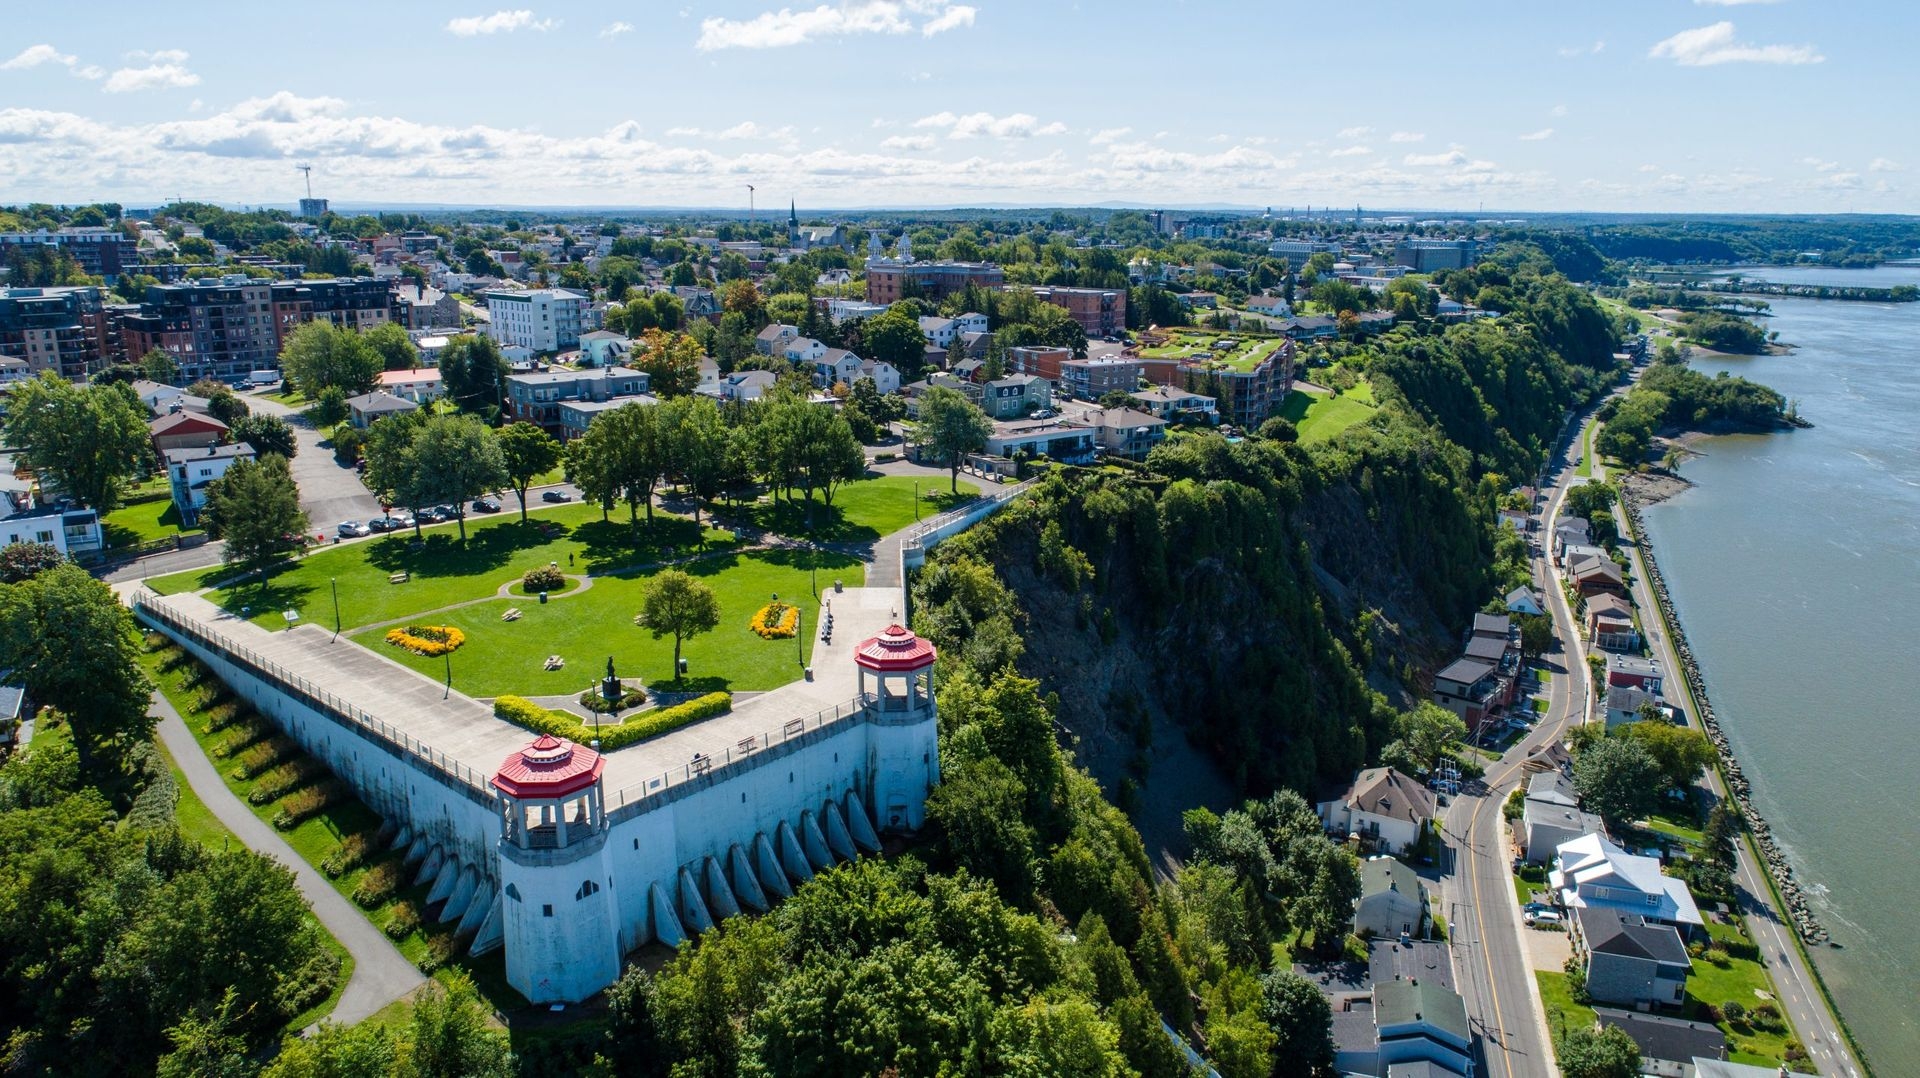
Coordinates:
x,y
876,247
558,914
904,249
896,686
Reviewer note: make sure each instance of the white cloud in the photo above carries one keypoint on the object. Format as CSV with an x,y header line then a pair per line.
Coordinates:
x,y
1881,164
1820,166
779,29
1707,46
1585,50
916,143
1351,151
684,132
500,22
1351,133
1109,134
1557,110
976,124
165,70
745,130
34,55
1407,136
1451,157
1649,168
615,29
1541,135
1846,181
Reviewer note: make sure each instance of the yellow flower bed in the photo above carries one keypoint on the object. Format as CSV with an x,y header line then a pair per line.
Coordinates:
x,y
426,639
776,621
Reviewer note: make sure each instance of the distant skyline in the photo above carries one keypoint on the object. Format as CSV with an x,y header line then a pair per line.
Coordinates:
x,y
1706,106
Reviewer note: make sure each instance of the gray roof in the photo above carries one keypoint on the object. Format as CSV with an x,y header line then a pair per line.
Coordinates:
x,y
1379,874
566,377
1383,791
1426,961
1663,1038
1421,1068
1404,1002
1552,786
1486,648
1610,931
380,401
236,451
1465,671
1628,698
1492,625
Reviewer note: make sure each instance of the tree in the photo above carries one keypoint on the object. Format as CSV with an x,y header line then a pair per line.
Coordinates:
x,y
396,349
950,427
1617,778
1422,736
1722,833
813,448
319,355
896,339
159,367
1609,1053
254,507
449,1036
678,605
266,434
21,561
1536,634
67,636
526,453
392,468
329,408
222,403
472,373
458,458
1302,1020
671,362
622,456
697,444
634,1048
83,440
1680,751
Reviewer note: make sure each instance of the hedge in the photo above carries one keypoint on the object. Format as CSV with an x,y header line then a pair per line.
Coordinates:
x,y
525,713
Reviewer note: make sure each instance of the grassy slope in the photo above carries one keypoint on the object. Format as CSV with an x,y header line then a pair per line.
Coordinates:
x,y
143,522
1320,418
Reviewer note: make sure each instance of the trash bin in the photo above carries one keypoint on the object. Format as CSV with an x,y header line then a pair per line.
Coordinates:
x,y
683,668
543,598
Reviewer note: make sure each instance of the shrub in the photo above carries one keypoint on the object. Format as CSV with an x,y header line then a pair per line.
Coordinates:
x,y
310,983
196,672
153,641
1709,1013
220,716
406,918
242,735
309,803
439,952
173,659
543,578
352,852
1733,1012
594,702
429,640
379,885
260,757
210,695
776,621
525,713
284,779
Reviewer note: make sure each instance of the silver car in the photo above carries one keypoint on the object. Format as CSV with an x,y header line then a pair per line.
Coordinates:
x,y
354,529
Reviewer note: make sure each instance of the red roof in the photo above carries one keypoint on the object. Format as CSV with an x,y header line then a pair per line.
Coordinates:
x,y
549,767
895,649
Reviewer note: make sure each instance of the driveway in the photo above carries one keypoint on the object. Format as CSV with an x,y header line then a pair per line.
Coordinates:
x,y
329,491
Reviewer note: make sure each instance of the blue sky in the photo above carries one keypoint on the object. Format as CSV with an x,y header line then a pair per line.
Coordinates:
x,y
1644,105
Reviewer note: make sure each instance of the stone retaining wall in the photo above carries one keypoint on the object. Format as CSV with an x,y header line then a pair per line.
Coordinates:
x,y
1772,859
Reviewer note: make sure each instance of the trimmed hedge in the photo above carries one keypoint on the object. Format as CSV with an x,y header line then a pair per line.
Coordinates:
x,y
525,713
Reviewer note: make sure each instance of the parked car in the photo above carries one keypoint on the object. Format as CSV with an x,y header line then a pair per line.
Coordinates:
x,y
1544,917
382,524
1532,908
353,529
485,505
431,515
555,496
447,512
401,518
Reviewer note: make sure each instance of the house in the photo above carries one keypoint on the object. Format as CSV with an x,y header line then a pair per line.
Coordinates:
x,y
1382,805
1624,705
1391,902
1551,816
605,348
1610,623
24,519
972,344
938,331
1667,1045
577,415
747,385
886,377
1317,327
1271,306
1170,403
536,396
190,470
1518,519
1524,600
1123,432
968,369
1016,395
363,410
833,278
1572,552
1706,1067
1593,576
1056,439
1472,689
1628,961
1091,379
155,394
836,366
1591,871
185,430
423,386
773,339
803,350
1569,530
1421,1022
1635,672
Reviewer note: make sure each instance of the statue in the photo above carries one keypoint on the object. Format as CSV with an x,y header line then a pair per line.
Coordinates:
x,y
610,674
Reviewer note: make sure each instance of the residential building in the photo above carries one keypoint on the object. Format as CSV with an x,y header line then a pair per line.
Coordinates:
x,y
1391,901
1053,438
1624,704
839,310
100,250
1472,689
1420,1022
1297,251
1249,389
886,377
190,470
1170,403
1039,359
1016,395
1271,306
536,397
1592,871
1610,623
1122,432
423,386
1102,312
576,415
13,370
1383,806
938,331
835,366
357,303
423,307
1525,601
367,408
803,350
71,530
1430,256
1667,1044
1629,961
1551,816
747,385
184,428
218,327
891,280
773,339
63,330
1091,379
1596,575
605,348
1635,672
698,302
545,320
1567,530
1707,1067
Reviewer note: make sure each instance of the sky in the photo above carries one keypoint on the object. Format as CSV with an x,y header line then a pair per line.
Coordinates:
x,y
1635,106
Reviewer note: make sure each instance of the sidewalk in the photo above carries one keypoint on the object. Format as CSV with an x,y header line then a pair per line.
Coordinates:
x,y
380,973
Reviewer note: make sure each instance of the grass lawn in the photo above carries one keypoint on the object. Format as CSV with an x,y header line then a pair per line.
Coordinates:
x,y
1319,418
1541,704
144,522
1562,1012
1679,829
1523,888
864,511
1741,979
1585,470
1198,345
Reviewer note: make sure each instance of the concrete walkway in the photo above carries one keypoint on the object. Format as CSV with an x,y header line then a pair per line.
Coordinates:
x,y
381,974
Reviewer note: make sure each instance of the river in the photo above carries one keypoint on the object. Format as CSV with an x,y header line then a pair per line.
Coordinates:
x,y
1794,562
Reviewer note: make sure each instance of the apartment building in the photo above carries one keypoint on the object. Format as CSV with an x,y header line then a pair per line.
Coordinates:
x,y
63,330
546,320
1428,256
357,303
1102,312
219,327
891,280
99,250
1091,379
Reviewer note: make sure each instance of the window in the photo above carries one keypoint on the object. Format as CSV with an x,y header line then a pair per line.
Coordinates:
x,y
586,888
546,911
513,892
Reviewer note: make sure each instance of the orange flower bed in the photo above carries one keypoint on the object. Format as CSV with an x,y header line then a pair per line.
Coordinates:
x,y
776,621
426,639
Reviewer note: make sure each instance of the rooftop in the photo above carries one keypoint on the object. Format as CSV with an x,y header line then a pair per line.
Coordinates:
x,y
1382,791
1399,1003
1615,932
1659,1037
561,376
236,451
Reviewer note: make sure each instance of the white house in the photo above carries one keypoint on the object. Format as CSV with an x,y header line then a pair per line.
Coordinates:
x,y
773,339
1272,306
886,377
190,470
604,348
423,386
1391,901
1591,871
835,366
1382,805
1523,600
1552,816
13,369
22,520
747,385
803,350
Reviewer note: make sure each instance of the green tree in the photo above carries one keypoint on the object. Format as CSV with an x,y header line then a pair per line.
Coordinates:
x,y
1301,1020
20,561
950,427
74,645
697,446
222,403
675,604
1617,778
318,355
83,440
159,367
473,374
1722,834
253,508
633,1044
266,434
329,408
895,338
622,456
671,362
396,349
1609,1053
1681,752
366,1050
526,453
459,459
207,1047
1536,634
1421,737
813,447
977,813
449,1036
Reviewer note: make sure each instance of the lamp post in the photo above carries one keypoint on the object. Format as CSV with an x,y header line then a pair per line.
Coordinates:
x,y
336,607
448,656
916,501
813,567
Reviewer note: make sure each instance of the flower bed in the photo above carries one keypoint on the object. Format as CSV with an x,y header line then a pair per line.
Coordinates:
x,y
525,713
776,621
430,640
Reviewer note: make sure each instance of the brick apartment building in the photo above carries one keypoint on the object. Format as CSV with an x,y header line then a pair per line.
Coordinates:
x,y
99,250
890,281
63,330
1091,379
359,303
217,327
1037,359
1102,312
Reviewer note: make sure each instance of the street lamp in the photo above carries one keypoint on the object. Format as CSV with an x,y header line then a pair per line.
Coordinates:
x,y
448,656
916,501
336,606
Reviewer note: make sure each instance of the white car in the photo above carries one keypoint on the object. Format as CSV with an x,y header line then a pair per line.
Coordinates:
x,y
1543,917
354,529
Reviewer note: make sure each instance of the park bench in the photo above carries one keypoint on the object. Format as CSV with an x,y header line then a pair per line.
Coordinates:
x,y
555,662
397,578
512,613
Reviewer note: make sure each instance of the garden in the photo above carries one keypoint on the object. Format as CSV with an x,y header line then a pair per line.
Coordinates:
x,y
1247,352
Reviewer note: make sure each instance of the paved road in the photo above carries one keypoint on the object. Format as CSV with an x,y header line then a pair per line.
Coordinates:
x,y
329,492
381,974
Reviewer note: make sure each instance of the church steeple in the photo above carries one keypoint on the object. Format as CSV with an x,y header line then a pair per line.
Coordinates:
x,y
793,224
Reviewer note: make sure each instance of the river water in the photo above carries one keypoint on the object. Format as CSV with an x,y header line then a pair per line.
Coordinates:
x,y
1794,562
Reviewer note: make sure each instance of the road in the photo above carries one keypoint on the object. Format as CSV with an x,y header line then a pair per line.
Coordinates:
x,y
329,491
381,974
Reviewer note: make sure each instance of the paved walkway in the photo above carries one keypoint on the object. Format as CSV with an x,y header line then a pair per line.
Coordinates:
x,y
381,974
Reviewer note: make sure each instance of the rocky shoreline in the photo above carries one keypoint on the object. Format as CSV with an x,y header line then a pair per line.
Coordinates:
x,y
1798,908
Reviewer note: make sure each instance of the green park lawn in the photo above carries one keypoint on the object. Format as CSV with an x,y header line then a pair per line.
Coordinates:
x,y
1319,418
1741,979
144,522
864,511
1197,345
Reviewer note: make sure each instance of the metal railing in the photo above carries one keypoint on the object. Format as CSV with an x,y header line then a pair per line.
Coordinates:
x,y
743,751
994,500
462,777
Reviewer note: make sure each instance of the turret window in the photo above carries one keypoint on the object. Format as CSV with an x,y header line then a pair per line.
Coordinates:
x,y
586,888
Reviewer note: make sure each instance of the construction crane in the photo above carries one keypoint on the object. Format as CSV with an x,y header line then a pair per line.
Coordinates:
x,y
749,205
308,171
